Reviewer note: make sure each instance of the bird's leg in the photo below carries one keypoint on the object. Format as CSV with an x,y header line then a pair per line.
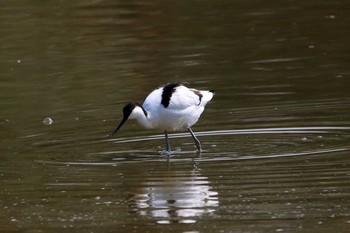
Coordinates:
x,y
167,145
198,143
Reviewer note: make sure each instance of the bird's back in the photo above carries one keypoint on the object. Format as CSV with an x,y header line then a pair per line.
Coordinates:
x,y
174,106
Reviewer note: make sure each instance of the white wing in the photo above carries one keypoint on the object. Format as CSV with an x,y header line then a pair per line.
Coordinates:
x,y
174,106
183,98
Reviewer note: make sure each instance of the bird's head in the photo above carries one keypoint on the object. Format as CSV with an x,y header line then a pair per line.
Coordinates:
x,y
127,112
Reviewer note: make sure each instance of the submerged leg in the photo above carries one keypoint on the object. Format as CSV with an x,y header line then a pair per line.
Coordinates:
x,y
198,143
167,145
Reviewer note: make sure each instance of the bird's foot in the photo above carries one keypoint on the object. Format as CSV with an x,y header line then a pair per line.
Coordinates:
x,y
166,152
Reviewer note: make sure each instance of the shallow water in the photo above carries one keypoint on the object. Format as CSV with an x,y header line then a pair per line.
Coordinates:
x,y
275,137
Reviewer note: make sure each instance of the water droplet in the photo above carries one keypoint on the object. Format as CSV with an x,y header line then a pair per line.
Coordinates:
x,y
48,121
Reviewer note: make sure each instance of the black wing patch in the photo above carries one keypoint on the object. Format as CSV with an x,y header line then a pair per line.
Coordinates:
x,y
199,95
168,91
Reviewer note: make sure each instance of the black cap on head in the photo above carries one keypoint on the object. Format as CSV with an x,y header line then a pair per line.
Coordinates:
x,y
126,111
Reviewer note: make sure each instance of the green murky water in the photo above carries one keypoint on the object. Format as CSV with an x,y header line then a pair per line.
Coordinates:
x,y
275,137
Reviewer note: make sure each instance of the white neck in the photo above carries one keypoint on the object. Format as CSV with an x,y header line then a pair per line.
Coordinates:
x,y
139,114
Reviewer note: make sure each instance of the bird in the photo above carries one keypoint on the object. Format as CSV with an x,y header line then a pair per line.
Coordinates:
x,y
170,107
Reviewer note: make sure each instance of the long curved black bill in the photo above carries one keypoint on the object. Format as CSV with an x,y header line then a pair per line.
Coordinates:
x,y
119,126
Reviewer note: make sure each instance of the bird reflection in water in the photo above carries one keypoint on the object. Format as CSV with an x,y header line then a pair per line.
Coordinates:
x,y
174,197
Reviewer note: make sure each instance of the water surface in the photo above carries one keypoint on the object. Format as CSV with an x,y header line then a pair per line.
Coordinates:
x,y
275,137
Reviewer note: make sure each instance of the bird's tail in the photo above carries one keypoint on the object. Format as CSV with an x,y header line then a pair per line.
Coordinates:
x,y
207,96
